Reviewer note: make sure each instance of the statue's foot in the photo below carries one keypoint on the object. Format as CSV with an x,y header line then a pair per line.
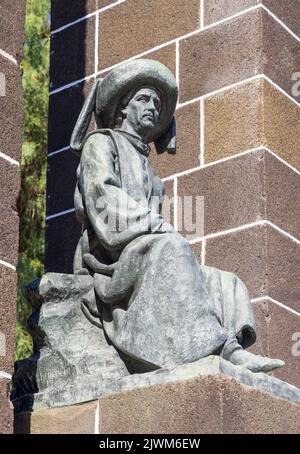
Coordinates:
x,y
255,363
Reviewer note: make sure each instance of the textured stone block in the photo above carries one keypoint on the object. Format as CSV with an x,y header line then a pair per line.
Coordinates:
x,y
281,184
12,24
283,269
6,417
232,192
290,16
75,419
266,261
220,56
103,3
9,235
5,385
72,53
251,44
248,116
154,22
248,411
60,190
281,119
10,183
6,410
243,190
11,110
281,58
62,235
216,10
8,283
9,221
233,121
212,404
166,55
188,144
276,327
64,109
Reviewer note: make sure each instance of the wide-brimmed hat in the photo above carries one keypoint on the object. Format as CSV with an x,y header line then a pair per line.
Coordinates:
x,y
106,95
132,75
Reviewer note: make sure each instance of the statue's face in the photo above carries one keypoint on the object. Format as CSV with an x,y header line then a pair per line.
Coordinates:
x,y
142,111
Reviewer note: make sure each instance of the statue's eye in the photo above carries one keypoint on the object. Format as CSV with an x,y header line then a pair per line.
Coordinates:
x,y
142,98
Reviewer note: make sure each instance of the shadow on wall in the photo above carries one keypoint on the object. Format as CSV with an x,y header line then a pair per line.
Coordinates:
x,y
71,59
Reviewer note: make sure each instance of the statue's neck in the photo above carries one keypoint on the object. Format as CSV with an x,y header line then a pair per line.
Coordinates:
x,y
128,128
135,140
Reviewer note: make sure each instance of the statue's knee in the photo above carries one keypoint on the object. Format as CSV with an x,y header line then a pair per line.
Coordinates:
x,y
175,241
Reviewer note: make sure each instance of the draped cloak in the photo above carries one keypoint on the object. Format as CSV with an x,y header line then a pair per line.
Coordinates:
x,y
156,304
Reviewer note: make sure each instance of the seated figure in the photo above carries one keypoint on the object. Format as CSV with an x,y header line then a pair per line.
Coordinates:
x,y
156,304
138,309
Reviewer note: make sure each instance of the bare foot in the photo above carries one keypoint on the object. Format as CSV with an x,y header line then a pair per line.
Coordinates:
x,y
255,363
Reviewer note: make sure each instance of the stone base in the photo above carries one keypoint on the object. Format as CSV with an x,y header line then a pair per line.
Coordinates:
x,y
74,419
212,365
214,404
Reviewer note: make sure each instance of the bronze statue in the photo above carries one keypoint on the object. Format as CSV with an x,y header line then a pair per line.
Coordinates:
x,y
139,308
157,304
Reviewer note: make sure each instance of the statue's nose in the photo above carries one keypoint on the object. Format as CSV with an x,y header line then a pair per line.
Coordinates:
x,y
151,105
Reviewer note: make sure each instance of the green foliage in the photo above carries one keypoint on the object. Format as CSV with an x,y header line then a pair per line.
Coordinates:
x,y
31,202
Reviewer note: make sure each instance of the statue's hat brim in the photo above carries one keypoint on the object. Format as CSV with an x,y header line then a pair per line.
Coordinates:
x,y
132,75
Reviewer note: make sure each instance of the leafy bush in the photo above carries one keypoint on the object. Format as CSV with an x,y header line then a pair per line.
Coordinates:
x,y
31,203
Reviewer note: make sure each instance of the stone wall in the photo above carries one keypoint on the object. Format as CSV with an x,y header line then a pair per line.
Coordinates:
x,y
12,20
238,122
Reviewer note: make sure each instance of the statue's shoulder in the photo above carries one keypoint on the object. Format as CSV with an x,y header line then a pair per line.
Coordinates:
x,y
100,136
97,141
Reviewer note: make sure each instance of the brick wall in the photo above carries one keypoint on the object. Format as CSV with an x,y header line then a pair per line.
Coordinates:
x,y
238,121
12,20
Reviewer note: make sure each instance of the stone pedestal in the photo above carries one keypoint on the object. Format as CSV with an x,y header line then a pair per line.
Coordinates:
x,y
73,419
215,404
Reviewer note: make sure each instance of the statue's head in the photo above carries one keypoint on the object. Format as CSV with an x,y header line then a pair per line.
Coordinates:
x,y
139,111
139,96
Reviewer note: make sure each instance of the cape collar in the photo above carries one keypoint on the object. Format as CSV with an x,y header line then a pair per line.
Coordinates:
x,y
141,147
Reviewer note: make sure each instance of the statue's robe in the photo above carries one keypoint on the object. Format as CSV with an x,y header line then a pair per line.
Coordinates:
x,y
156,304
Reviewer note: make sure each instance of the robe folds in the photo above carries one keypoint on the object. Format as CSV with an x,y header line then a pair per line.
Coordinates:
x,y
156,304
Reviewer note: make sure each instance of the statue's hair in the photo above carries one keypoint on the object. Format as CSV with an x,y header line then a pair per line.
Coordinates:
x,y
122,104
125,100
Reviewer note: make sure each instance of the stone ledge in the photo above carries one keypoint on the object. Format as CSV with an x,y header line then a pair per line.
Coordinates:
x,y
210,404
210,366
215,404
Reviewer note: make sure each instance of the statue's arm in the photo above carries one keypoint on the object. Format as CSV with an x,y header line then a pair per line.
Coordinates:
x,y
106,202
157,200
